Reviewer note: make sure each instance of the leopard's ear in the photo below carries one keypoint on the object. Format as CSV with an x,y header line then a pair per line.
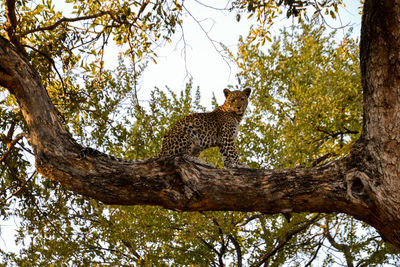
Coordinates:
x,y
247,91
226,92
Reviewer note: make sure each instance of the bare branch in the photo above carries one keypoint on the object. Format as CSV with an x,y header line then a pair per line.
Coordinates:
x,y
208,245
319,160
237,249
142,8
287,238
184,49
130,247
212,7
52,63
65,19
308,264
319,12
10,133
59,22
345,249
208,37
4,201
10,25
11,145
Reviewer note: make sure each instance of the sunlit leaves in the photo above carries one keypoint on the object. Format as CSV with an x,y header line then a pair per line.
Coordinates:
x,y
307,100
266,12
64,39
306,104
306,109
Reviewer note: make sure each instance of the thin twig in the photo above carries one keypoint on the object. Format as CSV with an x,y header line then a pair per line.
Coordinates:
x,y
52,63
211,7
345,249
308,264
185,52
2,202
319,11
57,23
282,243
208,37
11,144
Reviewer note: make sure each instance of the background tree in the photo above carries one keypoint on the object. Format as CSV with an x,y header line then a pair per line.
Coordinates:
x,y
59,223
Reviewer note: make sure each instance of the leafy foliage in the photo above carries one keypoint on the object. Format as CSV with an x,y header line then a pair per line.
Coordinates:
x,y
265,13
307,97
306,109
306,104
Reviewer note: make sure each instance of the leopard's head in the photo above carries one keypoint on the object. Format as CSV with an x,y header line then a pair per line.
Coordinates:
x,y
236,101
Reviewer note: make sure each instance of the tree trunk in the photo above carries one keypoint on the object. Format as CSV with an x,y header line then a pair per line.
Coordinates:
x,y
378,149
365,184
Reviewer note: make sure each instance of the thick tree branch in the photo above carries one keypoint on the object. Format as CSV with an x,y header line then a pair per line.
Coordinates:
x,y
10,26
366,184
6,80
176,183
11,23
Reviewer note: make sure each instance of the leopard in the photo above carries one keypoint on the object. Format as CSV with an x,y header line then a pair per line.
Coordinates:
x,y
219,128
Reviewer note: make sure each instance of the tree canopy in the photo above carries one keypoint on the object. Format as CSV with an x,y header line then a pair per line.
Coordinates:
x,y
305,114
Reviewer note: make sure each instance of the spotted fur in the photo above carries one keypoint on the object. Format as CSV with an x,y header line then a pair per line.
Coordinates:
x,y
219,128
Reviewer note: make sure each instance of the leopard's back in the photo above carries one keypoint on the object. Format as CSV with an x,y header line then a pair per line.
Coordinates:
x,y
191,135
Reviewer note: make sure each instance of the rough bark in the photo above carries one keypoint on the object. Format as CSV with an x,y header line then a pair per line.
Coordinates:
x,y
379,147
365,184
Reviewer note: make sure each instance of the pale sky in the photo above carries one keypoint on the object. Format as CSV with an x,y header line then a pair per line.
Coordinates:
x,y
205,65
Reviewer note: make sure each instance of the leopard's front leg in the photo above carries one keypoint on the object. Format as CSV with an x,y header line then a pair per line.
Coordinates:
x,y
230,154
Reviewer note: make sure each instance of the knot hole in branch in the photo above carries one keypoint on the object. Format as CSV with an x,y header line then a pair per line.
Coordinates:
x,y
357,187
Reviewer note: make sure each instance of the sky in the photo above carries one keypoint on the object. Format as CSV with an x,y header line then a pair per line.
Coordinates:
x,y
208,69
202,62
